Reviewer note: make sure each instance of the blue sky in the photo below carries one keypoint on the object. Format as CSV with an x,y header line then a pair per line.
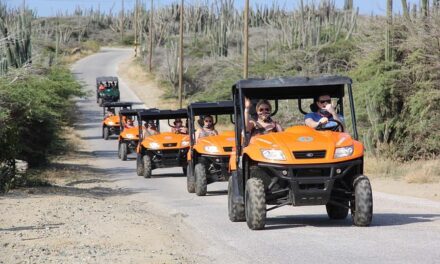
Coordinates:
x,y
51,7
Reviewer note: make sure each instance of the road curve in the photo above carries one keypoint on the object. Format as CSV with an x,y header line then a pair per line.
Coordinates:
x,y
404,229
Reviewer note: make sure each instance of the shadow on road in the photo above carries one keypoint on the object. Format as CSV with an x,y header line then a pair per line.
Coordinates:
x,y
392,219
217,193
380,219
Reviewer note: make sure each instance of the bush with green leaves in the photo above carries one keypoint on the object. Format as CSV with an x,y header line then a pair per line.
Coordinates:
x,y
32,112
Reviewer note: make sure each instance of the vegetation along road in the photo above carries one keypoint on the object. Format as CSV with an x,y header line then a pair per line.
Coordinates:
x,y
403,229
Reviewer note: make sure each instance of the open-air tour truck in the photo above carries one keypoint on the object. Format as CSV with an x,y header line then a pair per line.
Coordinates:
x,y
163,150
300,166
129,136
208,158
111,123
110,93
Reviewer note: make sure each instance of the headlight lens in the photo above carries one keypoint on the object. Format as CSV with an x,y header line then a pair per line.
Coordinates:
x,y
111,123
130,136
154,145
185,143
212,149
273,154
343,152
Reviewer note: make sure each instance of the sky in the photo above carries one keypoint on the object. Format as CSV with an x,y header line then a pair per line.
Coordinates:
x,y
52,7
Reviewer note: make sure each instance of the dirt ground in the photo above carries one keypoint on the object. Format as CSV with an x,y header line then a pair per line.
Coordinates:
x,y
57,224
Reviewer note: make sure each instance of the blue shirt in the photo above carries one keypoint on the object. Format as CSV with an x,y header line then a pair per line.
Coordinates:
x,y
316,117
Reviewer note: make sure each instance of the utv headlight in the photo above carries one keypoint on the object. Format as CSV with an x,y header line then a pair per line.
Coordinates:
x,y
273,154
130,136
111,123
154,145
211,149
343,152
185,143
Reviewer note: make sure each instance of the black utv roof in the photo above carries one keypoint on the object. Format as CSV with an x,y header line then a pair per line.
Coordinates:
x,y
106,79
292,87
118,104
156,114
130,112
214,108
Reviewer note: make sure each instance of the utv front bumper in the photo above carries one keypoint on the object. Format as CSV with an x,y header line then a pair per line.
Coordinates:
x,y
168,157
308,184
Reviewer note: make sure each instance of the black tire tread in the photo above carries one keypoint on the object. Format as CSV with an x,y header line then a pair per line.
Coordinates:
x,y
255,204
362,209
201,179
235,210
146,161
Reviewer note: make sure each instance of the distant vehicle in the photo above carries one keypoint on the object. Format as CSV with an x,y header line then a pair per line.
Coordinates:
x,y
107,89
301,165
129,134
111,119
161,149
208,157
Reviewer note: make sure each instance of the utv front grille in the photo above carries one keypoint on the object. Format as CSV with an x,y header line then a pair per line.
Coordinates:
x,y
227,149
313,154
169,145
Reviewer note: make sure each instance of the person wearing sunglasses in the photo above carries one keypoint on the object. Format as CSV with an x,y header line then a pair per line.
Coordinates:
x,y
208,128
324,114
264,123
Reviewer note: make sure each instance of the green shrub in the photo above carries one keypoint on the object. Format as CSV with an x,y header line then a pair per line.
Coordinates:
x,y
33,110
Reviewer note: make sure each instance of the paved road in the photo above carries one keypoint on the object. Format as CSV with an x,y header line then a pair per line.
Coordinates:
x,y
404,230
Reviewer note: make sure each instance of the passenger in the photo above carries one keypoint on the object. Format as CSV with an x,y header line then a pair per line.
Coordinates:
x,y
150,130
178,127
129,123
264,124
208,128
324,113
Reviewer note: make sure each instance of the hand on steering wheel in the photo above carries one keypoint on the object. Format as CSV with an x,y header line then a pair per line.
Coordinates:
x,y
339,126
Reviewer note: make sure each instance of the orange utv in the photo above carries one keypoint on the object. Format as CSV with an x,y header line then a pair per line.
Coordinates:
x,y
208,157
129,135
300,166
161,150
111,121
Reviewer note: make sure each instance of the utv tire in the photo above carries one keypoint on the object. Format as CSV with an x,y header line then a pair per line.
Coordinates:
x,y
139,166
185,170
100,101
255,204
201,179
123,149
146,160
362,205
106,133
336,212
190,180
235,210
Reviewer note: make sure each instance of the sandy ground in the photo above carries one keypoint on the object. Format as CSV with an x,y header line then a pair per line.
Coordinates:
x,y
58,224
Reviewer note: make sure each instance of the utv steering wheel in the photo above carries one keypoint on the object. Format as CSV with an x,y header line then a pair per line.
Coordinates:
x,y
339,126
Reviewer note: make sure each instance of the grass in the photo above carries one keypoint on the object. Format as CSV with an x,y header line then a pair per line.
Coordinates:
x,y
418,172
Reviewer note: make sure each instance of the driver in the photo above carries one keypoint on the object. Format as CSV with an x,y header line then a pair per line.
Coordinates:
x,y
110,112
264,124
208,128
178,127
324,114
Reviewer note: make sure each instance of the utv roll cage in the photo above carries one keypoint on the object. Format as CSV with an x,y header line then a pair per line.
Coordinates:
x,y
203,109
123,105
105,79
289,88
157,115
